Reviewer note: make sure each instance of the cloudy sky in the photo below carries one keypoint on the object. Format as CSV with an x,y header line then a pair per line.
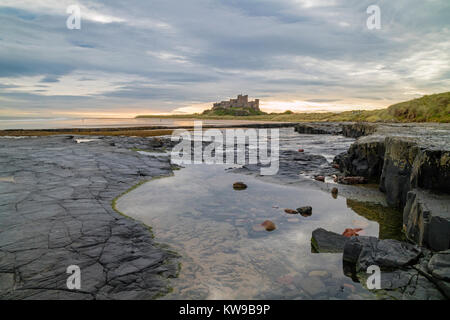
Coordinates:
x,y
159,56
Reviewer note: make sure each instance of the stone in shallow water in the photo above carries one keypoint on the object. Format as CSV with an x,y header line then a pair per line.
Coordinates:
x,y
290,211
239,186
305,211
268,225
324,241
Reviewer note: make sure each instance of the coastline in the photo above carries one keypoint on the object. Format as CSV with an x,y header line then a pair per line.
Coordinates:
x,y
72,181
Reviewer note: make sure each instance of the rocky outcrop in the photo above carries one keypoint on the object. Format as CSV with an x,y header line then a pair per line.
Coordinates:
x,y
358,129
318,128
406,160
364,158
407,271
426,219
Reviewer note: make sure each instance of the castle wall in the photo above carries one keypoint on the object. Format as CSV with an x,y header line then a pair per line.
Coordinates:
x,y
240,102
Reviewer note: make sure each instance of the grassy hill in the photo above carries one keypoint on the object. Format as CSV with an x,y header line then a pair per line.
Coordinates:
x,y
431,108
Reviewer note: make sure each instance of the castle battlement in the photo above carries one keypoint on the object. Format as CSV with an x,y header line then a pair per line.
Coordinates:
x,y
240,102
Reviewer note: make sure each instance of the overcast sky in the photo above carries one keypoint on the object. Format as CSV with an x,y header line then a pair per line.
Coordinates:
x,y
139,57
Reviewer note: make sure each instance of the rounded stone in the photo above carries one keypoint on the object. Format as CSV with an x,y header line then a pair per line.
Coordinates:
x,y
268,225
305,211
239,186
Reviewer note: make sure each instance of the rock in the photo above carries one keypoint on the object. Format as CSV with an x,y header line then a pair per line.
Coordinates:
x,y
320,178
364,158
301,150
426,219
268,225
439,265
305,211
366,251
405,158
410,163
351,233
290,211
335,191
359,129
324,241
318,128
239,186
352,180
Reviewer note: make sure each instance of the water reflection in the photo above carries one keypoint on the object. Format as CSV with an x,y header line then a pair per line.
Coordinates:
x,y
199,214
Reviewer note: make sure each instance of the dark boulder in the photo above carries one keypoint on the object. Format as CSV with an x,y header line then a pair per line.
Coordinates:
x,y
324,241
386,254
239,186
305,211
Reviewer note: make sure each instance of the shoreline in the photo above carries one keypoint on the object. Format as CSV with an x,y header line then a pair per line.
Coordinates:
x,y
143,131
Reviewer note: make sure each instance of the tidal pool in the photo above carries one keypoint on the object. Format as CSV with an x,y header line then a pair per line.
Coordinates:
x,y
225,254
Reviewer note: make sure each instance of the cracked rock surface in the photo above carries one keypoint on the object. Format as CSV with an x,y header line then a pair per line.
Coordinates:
x,y
56,210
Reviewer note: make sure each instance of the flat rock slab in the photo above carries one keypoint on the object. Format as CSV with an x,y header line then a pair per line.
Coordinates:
x,y
58,213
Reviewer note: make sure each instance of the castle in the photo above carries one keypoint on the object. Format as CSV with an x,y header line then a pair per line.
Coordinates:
x,y
240,102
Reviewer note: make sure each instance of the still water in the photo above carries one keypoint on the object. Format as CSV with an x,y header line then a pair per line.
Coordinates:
x,y
225,254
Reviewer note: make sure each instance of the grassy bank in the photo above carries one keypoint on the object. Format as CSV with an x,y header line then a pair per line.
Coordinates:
x,y
432,108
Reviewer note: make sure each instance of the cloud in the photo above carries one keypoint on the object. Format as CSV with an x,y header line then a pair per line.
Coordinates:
x,y
161,56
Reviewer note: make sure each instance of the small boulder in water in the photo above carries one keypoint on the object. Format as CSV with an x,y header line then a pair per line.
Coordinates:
x,y
239,186
301,150
305,211
334,192
268,225
290,211
320,178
